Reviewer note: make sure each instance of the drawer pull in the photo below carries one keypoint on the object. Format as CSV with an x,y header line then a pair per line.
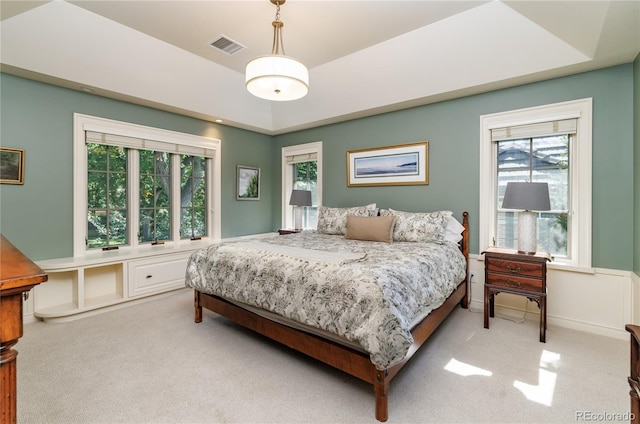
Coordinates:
x,y
513,283
149,276
515,270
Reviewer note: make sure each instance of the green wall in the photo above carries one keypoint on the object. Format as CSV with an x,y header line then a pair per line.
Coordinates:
x,y
636,173
37,217
452,129
38,117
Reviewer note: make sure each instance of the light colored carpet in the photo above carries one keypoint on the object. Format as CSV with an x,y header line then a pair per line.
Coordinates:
x,y
150,363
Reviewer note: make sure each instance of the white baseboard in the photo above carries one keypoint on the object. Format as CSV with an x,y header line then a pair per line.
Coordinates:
x,y
534,315
136,301
635,298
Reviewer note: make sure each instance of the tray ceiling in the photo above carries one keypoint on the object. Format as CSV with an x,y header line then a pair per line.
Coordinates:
x,y
364,57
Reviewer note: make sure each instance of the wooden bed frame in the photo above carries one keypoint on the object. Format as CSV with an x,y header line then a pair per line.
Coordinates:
x,y
634,373
338,356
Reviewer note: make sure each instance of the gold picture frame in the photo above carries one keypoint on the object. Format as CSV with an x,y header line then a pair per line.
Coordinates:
x,y
402,164
11,166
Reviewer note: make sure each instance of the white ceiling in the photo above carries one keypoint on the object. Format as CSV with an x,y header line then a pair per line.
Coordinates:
x,y
364,57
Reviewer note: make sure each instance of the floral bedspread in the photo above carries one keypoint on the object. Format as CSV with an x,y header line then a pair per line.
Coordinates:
x,y
369,293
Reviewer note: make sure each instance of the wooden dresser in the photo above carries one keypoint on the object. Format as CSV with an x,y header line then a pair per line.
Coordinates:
x,y
634,373
18,275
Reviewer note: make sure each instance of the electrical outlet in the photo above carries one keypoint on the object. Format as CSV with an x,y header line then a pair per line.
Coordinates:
x,y
472,277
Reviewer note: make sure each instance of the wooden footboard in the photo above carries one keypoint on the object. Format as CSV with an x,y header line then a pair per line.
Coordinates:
x,y
338,356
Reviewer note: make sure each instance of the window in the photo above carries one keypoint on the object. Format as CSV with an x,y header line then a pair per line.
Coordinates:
x,y
136,185
549,144
305,177
107,202
540,160
193,200
155,196
302,170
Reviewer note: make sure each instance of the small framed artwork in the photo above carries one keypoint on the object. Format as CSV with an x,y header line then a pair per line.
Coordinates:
x,y
403,164
248,183
11,166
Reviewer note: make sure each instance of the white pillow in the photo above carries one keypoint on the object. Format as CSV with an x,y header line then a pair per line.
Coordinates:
x,y
416,226
334,220
453,230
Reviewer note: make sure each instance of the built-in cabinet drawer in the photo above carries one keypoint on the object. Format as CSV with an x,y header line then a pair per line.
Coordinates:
x,y
156,275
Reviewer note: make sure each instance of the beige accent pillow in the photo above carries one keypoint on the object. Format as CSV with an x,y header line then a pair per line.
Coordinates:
x,y
370,228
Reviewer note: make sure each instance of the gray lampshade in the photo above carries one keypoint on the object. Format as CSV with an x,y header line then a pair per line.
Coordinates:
x,y
526,196
300,198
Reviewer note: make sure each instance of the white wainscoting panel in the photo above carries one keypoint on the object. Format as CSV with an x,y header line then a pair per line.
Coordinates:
x,y
635,299
602,301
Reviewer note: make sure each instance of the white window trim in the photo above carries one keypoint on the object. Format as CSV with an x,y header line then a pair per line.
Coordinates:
x,y
580,177
287,177
82,123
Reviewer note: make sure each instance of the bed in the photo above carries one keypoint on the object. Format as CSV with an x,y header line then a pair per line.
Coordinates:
x,y
634,373
362,293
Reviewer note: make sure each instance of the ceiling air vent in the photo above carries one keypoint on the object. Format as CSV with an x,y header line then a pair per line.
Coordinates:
x,y
227,45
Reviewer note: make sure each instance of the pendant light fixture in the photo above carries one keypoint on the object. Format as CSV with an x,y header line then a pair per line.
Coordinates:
x,y
277,76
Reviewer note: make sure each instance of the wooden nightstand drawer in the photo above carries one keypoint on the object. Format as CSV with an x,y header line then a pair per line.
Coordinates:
x,y
514,282
512,267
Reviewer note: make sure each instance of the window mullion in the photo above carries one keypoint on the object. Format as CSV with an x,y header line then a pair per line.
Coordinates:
x,y
175,197
287,184
531,160
133,177
210,210
578,197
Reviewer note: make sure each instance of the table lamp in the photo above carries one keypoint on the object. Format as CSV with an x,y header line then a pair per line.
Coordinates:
x,y
299,198
527,197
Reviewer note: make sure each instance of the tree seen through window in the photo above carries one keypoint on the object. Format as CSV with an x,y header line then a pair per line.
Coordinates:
x,y
155,196
193,197
106,196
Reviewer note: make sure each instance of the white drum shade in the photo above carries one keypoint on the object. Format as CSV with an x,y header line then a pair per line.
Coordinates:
x,y
277,77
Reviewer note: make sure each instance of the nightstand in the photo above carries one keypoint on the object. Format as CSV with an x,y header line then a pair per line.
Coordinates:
x,y
507,271
285,231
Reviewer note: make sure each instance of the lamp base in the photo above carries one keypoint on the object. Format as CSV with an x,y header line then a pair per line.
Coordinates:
x,y
527,237
297,211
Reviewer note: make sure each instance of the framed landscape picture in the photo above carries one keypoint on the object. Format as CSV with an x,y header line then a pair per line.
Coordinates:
x,y
11,166
248,183
403,164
